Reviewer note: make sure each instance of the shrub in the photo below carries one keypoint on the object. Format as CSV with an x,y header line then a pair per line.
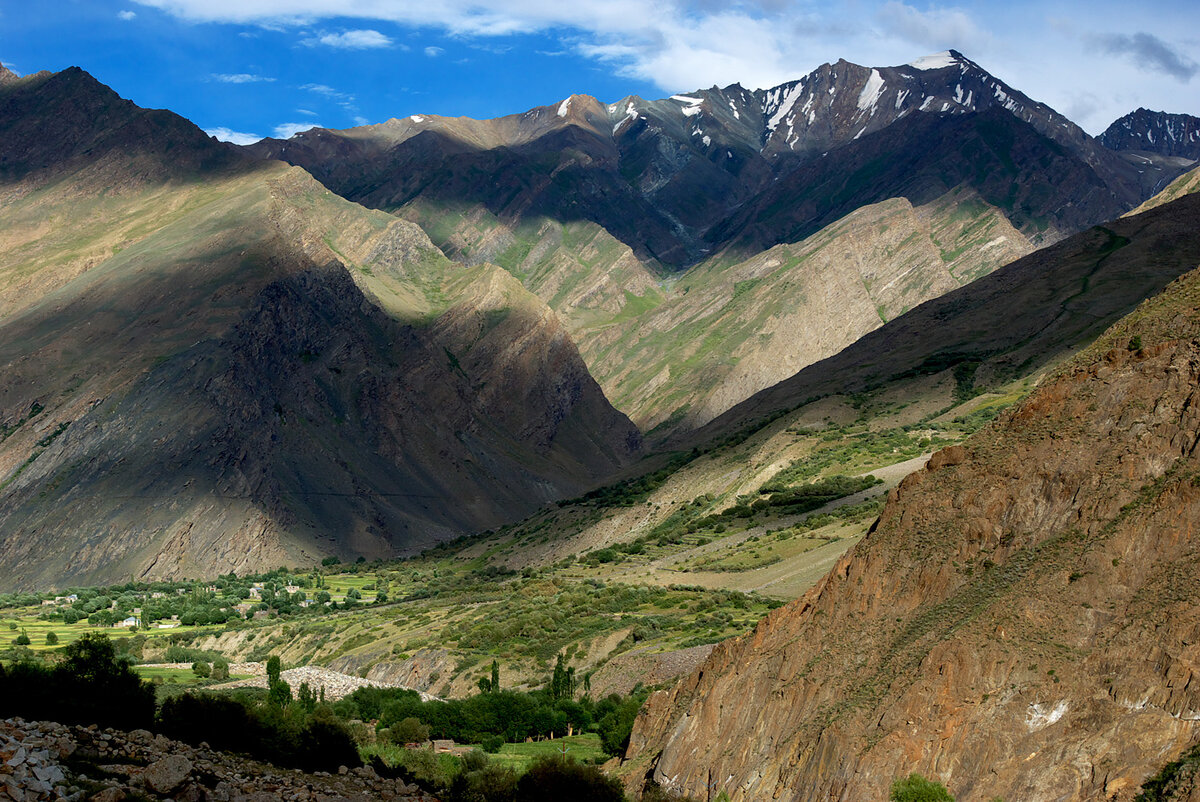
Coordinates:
x,y
287,737
552,779
22,639
616,726
915,788
51,639
409,730
201,669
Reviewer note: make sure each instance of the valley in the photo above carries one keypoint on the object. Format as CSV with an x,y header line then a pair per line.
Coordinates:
x,y
779,443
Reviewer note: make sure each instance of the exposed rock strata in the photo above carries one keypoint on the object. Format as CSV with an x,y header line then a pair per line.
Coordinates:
x,y
1021,623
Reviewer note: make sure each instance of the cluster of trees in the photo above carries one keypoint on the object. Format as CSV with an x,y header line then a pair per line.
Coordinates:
x,y
549,779
91,684
287,733
493,718
94,684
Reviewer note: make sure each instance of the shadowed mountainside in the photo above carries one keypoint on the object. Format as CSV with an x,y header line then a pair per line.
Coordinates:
x,y
220,370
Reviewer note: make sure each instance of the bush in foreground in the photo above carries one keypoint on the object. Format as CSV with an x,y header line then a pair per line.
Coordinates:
x,y
553,779
915,788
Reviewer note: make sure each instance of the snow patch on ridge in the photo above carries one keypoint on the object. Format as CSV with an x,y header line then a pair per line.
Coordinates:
x,y
869,96
936,61
785,102
564,107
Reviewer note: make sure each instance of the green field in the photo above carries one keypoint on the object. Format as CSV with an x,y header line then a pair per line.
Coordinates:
x,y
582,748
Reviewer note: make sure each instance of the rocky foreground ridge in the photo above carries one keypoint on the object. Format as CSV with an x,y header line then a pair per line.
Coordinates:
x,y
1021,623
41,760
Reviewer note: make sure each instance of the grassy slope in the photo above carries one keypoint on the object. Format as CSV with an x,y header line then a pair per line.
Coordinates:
x,y
674,352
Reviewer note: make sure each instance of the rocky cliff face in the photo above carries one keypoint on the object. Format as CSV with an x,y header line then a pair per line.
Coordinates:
x,y
1021,622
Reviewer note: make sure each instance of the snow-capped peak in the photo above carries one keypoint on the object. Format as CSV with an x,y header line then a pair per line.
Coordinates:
x,y
937,61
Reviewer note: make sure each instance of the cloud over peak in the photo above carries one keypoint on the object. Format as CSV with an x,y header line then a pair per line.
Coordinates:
x,y
1149,53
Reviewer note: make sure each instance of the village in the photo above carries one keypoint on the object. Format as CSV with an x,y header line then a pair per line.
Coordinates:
x,y
141,607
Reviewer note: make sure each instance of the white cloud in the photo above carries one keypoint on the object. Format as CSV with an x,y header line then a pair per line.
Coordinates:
x,y
229,135
1149,53
240,78
350,40
681,45
328,91
307,112
935,29
434,52
126,15
288,130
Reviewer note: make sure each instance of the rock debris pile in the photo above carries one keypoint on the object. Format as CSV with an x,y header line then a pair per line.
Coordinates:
x,y
335,684
42,760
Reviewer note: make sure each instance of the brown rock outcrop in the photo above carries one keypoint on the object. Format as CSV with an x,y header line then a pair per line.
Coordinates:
x,y
1023,622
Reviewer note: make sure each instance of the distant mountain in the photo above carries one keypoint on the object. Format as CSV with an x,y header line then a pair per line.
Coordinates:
x,y
1155,132
674,178
211,363
667,232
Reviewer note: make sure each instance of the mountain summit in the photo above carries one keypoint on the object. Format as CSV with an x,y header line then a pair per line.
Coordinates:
x,y
1155,132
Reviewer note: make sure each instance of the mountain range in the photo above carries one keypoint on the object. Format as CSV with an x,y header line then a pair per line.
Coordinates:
x,y
595,326
214,361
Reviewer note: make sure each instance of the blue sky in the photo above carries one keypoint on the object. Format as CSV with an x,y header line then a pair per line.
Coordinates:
x,y
250,68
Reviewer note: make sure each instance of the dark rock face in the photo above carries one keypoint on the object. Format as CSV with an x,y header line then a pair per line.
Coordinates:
x,y
317,425
1155,132
53,124
1020,623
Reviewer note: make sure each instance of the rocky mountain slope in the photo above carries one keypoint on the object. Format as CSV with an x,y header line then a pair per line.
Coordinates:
x,y
1020,623
673,356
1155,132
211,364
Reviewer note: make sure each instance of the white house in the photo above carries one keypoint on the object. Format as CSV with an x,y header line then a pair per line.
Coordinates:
x,y
131,621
